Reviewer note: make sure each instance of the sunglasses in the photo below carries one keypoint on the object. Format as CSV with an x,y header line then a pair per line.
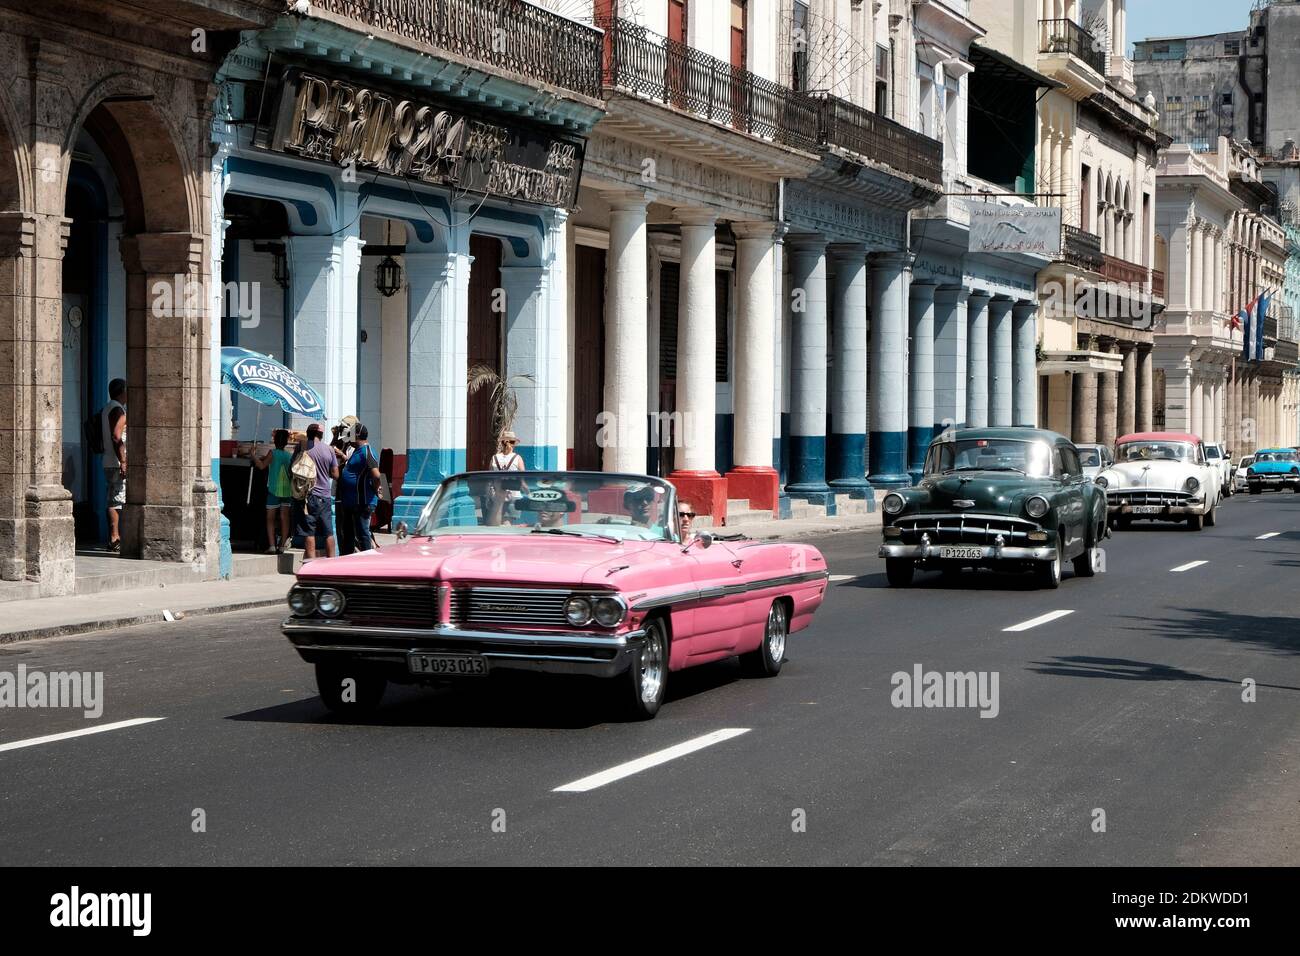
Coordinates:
x,y
686,514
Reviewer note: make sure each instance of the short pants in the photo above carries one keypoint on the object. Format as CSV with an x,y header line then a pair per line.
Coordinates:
x,y
116,482
273,502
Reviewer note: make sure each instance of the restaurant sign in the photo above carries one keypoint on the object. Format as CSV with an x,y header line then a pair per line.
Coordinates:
x,y
347,124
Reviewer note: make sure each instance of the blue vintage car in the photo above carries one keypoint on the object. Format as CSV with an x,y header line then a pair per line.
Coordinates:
x,y
1002,498
1274,468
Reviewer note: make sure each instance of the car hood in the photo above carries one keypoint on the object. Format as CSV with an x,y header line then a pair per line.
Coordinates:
x,y
1165,475
992,492
537,560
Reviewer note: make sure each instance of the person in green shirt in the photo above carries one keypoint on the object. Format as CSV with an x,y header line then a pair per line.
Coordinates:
x,y
279,490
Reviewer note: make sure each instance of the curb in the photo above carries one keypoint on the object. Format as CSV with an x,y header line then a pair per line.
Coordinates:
x,y
130,620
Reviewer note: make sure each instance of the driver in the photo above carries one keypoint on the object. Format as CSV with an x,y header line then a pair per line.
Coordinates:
x,y
642,505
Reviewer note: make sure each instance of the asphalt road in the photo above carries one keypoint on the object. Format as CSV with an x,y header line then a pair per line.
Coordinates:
x,y
1131,704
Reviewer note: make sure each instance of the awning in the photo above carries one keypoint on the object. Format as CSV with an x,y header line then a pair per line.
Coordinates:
x,y
1079,360
999,66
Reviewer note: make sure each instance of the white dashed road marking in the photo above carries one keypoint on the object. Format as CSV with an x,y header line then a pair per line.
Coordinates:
x,y
1034,622
1188,566
837,578
650,760
34,741
1271,534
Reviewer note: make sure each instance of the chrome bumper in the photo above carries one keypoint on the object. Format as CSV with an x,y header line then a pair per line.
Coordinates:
x,y
1272,480
921,552
550,652
1195,508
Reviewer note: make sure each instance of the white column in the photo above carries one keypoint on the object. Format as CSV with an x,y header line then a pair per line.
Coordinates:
x,y
950,356
1207,270
1024,335
920,377
977,359
846,465
890,278
755,345
808,378
624,419
697,340
1194,276
1197,416
1001,378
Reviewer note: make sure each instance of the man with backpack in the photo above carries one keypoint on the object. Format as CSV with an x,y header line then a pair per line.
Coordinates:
x,y
313,493
357,493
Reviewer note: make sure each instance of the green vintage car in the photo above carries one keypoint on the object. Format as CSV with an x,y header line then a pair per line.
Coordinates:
x,y
1001,498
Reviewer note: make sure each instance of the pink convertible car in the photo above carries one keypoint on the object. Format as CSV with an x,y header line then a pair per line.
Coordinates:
x,y
561,572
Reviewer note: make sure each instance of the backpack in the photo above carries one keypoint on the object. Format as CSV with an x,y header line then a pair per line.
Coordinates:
x,y
302,474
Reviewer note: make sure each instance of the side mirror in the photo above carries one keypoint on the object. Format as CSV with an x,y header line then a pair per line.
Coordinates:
x,y
402,531
702,538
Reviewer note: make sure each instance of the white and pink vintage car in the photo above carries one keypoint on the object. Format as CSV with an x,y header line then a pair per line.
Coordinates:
x,y
560,572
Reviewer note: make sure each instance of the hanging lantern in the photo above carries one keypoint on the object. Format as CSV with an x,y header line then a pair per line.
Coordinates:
x,y
388,277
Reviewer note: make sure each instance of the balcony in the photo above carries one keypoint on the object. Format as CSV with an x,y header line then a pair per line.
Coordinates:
x,y
1081,249
1157,283
542,46
1072,55
878,138
654,67
1121,270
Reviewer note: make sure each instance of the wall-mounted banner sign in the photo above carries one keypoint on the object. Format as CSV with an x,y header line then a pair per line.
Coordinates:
x,y
345,123
1035,230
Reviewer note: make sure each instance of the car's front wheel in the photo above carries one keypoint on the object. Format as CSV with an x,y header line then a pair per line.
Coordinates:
x,y
1196,522
1048,573
766,661
1211,517
899,571
348,689
1085,565
643,685
1253,489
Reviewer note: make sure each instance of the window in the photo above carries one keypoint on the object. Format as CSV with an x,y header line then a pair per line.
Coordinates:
x,y
799,47
925,99
1174,104
951,111
883,64
1225,99
1231,47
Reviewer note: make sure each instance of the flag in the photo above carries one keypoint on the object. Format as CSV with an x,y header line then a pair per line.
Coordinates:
x,y
1261,314
1248,331
1234,323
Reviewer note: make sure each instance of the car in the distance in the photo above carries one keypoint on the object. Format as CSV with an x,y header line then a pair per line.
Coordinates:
x,y
558,572
1239,473
1010,499
1222,462
1161,476
1274,469
1094,458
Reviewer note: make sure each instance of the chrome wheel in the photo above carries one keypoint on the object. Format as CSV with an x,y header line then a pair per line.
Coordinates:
x,y
776,631
651,667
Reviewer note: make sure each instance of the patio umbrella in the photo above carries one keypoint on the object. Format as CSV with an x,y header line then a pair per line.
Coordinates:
x,y
268,382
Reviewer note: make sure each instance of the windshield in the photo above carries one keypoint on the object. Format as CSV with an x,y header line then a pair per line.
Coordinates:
x,y
1212,451
1155,451
1089,458
1276,456
990,454
620,507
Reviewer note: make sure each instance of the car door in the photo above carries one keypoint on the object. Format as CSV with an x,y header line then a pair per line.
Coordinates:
x,y
719,613
1069,474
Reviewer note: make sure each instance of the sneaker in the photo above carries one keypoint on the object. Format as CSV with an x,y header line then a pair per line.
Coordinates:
x,y
115,546
270,551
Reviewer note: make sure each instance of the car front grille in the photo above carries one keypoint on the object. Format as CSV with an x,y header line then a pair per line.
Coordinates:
x,y
388,605
508,607
1145,497
966,529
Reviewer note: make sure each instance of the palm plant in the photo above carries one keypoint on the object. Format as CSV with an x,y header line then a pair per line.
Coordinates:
x,y
503,401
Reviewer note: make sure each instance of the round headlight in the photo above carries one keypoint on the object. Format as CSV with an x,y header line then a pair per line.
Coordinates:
x,y
1101,480
607,611
1192,484
577,611
329,601
302,601
1036,506
893,503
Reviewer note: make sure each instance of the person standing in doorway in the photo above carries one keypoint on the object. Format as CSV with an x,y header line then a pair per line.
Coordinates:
x,y
279,490
112,419
317,512
357,493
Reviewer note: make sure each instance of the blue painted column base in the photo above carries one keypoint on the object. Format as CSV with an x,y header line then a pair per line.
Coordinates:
x,y
807,466
846,464
889,459
783,511
225,554
425,470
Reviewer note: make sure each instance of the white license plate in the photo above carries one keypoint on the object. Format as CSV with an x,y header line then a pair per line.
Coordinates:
x,y
1147,509
448,665
964,553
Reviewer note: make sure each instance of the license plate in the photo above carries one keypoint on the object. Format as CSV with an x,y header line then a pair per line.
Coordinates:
x,y
1146,509
448,665
975,553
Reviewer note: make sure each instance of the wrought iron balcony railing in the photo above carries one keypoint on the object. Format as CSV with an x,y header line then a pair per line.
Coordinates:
x,y
643,62
1066,36
1080,248
852,127
510,35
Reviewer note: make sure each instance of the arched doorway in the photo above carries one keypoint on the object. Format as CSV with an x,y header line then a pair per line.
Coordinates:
x,y
486,345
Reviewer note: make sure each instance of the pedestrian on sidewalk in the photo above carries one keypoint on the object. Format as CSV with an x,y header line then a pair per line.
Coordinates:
x,y
502,493
279,490
112,419
356,494
315,514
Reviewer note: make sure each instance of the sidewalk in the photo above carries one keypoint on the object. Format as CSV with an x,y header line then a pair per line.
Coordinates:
x,y
29,619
